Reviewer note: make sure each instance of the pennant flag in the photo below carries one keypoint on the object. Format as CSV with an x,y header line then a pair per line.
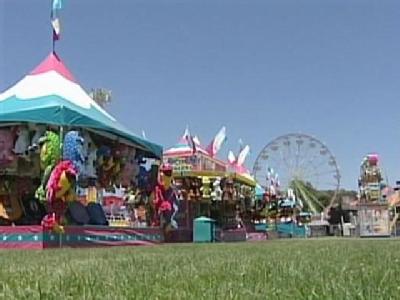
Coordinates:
x,y
186,134
192,143
270,171
243,155
190,140
144,135
231,158
57,5
196,140
240,145
55,23
217,142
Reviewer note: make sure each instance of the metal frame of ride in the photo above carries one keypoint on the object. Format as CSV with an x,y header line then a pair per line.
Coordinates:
x,y
304,163
373,210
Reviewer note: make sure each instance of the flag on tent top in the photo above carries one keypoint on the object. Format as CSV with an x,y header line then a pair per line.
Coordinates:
x,y
57,5
186,134
190,140
192,144
56,29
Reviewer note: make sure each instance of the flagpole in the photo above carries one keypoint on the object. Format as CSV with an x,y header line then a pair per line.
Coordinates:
x,y
52,30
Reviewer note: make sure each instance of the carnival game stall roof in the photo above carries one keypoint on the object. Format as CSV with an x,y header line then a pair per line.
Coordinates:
x,y
187,148
51,95
183,148
180,155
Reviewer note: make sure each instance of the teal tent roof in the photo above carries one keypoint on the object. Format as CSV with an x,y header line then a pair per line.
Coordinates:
x,y
50,95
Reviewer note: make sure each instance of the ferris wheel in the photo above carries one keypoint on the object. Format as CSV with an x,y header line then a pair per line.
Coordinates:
x,y
304,164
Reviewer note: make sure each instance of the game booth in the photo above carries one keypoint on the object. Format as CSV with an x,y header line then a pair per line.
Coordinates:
x,y
60,154
208,187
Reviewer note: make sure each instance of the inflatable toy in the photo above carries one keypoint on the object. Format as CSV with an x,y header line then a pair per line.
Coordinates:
x,y
206,187
165,200
61,184
73,150
10,208
50,153
39,131
22,142
105,165
90,155
216,193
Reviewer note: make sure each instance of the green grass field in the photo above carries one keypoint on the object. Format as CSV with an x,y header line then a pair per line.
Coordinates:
x,y
281,269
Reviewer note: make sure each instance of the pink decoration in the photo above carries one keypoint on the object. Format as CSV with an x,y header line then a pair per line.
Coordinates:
x,y
53,185
373,159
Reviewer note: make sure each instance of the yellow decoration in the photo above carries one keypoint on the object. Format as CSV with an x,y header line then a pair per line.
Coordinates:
x,y
109,164
64,185
58,228
92,194
66,192
167,181
43,155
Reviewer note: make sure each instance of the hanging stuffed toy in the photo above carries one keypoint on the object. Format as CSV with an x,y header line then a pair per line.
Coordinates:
x,y
6,146
237,192
192,189
104,158
180,190
105,163
196,187
130,168
73,150
10,207
22,143
143,178
90,154
51,222
205,187
216,194
165,200
50,154
228,191
38,132
61,184
119,157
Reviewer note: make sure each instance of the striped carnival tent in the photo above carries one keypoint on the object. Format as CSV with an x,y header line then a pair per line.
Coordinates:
x,y
51,95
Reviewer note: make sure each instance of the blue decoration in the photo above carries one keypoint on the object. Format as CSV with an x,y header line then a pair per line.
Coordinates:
x,y
73,149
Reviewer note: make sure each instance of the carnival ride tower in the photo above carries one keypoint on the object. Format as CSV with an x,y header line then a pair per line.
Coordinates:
x,y
371,179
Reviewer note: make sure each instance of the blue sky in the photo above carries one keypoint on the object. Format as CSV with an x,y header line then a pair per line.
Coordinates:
x,y
262,68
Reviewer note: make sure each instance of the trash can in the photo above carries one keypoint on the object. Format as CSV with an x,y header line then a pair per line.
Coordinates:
x,y
203,230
